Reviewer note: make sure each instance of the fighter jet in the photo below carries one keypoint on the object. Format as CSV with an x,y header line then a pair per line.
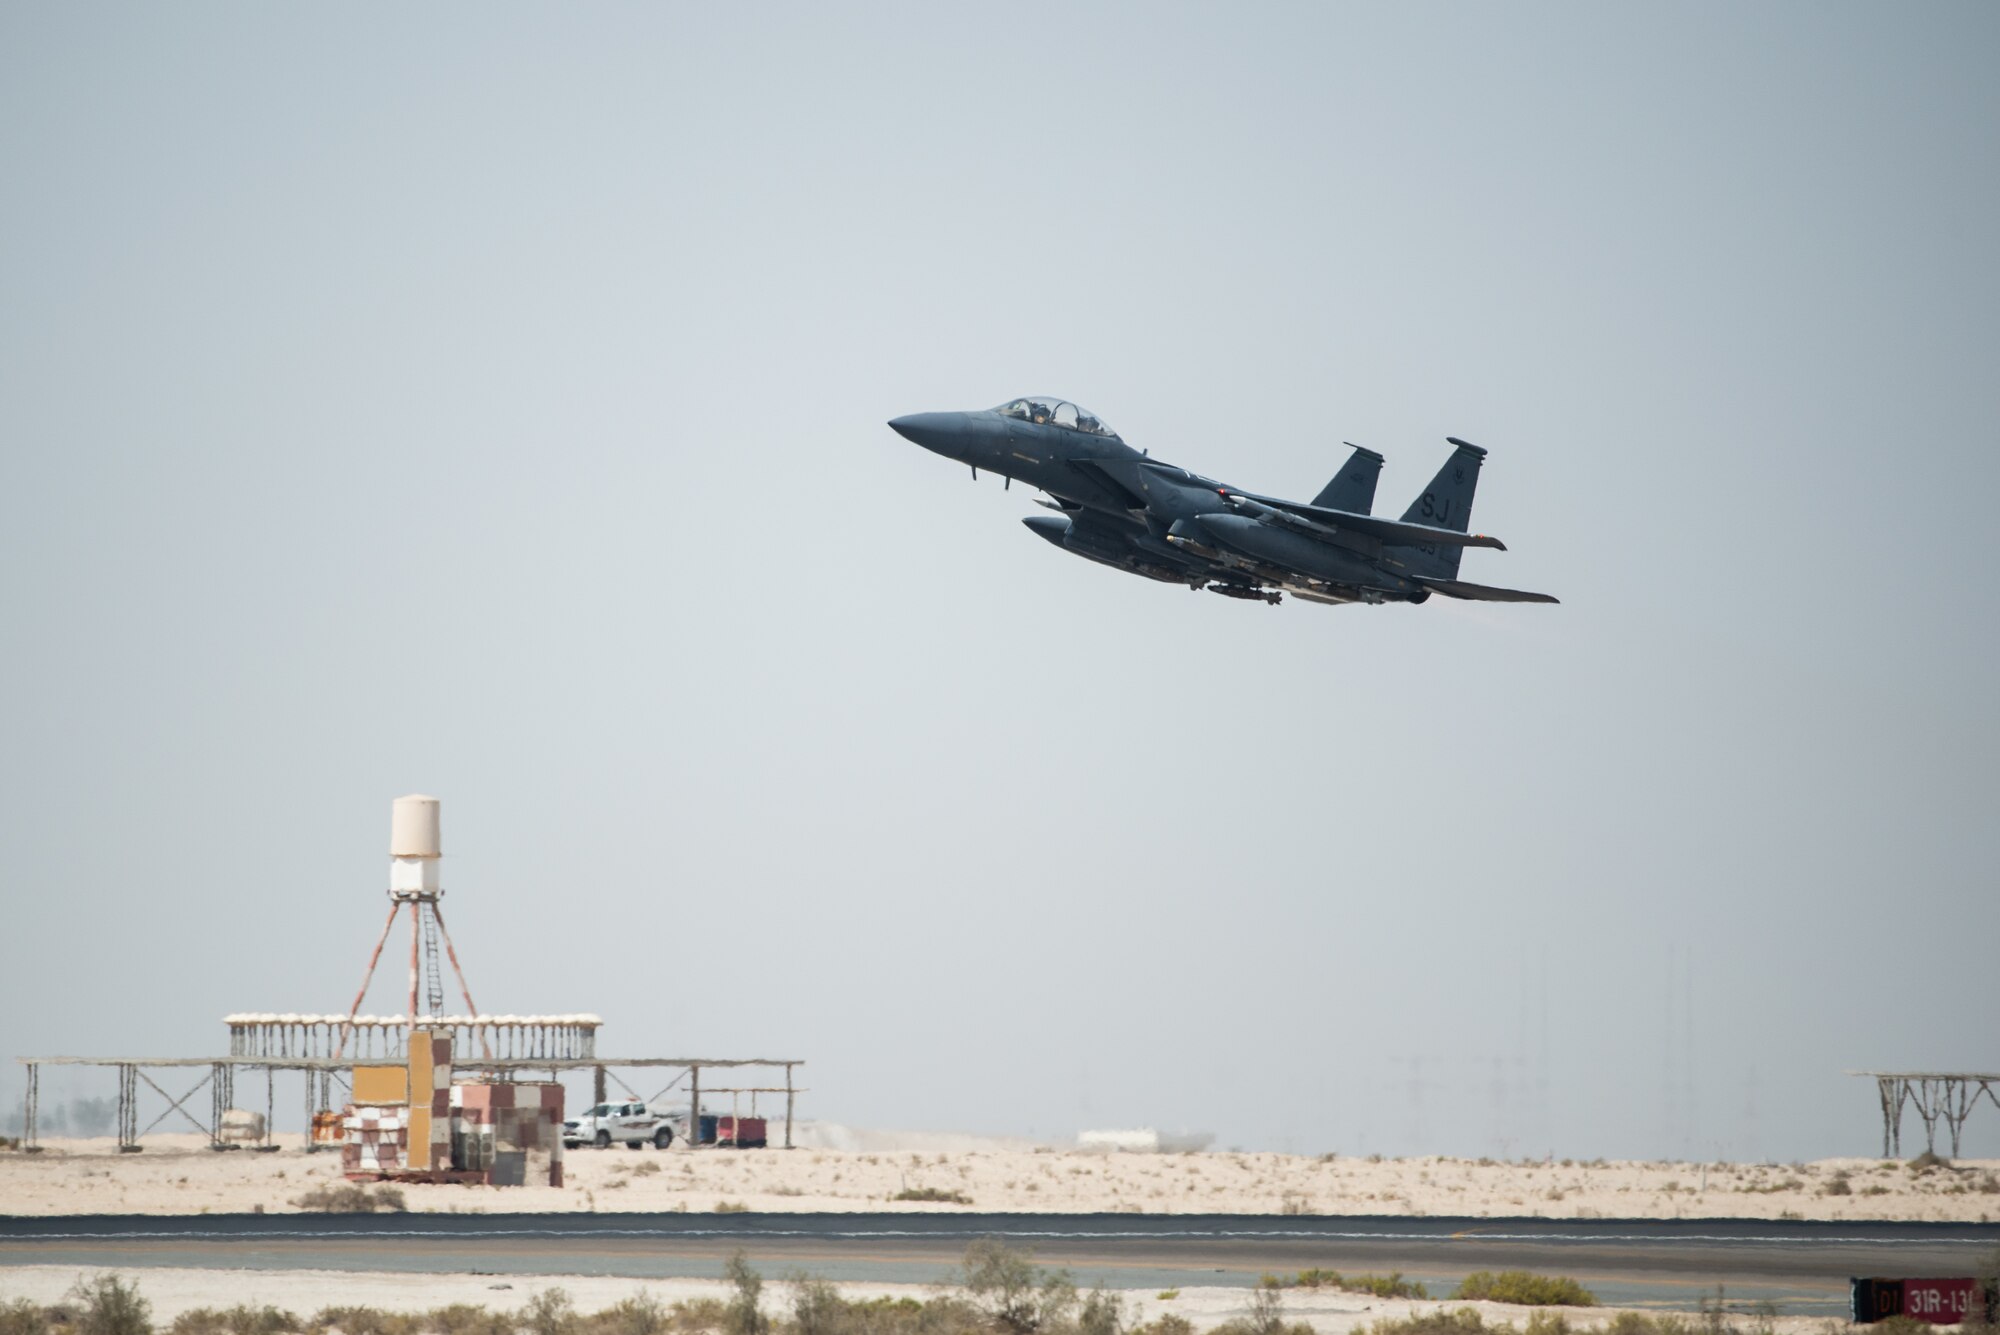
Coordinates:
x,y
1119,507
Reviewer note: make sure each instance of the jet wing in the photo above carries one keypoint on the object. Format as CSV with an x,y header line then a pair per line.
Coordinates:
x,y
1394,532
1481,593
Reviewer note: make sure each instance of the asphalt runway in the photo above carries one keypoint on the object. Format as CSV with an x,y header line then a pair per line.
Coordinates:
x,y
1801,1266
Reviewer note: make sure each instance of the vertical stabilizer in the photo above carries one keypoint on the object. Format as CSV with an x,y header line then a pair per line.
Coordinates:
x,y
1353,487
1446,503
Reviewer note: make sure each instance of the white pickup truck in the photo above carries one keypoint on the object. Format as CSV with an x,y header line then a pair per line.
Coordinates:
x,y
633,1123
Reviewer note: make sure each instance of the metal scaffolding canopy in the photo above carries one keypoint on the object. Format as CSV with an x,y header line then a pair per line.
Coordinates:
x,y
321,1072
467,1064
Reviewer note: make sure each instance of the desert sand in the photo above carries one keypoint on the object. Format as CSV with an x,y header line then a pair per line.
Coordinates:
x,y
180,1175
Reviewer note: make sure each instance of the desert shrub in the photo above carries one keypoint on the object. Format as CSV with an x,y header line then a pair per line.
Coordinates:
x,y
1714,1318
816,1307
694,1315
1391,1285
1901,1325
239,1320
1439,1321
1641,1323
744,1316
1524,1288
1100,1313
1267,1308
111,1305
940,1316
907,1316
549,1312
465,1319
351,1198
1838,1185
1314,1278
1011,1290
932,1194
731,1207
1926,1161
641,1314
1167,1323
365,1321
22,1317
1242,1326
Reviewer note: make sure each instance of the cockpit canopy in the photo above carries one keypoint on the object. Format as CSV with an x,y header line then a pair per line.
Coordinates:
x,y
1055,412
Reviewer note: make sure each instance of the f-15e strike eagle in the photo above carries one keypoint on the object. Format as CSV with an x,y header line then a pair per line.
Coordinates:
x,y
1120,508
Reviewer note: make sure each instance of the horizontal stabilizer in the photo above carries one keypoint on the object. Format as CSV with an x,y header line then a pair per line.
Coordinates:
x,y
1482,593
1394,532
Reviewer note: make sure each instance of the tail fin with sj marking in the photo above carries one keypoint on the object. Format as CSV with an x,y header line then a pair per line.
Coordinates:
x,y
1445,503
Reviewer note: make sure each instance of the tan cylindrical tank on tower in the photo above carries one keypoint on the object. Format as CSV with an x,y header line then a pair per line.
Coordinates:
x,y
415,847
413,828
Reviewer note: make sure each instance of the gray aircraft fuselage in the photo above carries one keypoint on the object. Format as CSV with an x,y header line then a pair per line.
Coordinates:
x,y
1120,508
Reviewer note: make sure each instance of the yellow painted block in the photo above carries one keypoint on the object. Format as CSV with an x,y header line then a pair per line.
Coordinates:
x,y
375,1085
420,1064
420,1140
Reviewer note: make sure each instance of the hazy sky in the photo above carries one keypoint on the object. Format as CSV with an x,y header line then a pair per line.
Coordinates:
x,y
489,400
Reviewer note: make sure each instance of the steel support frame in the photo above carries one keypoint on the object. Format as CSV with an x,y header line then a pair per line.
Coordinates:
x,y
1937,1096
320,1076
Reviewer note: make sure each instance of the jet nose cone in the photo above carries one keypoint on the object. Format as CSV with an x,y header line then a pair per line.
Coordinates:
x,y
933,431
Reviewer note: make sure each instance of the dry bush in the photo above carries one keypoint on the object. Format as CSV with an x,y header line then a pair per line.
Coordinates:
x,y
1440,1321
351,1198
549,1312
641,1314
745,1316
365,1321
1100,1313
1391,1285
1167,1323
695,1316
466,1319
817,1308
1642,1323
22,1317
1524,1288
111,1305
1014,1292
238,1320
